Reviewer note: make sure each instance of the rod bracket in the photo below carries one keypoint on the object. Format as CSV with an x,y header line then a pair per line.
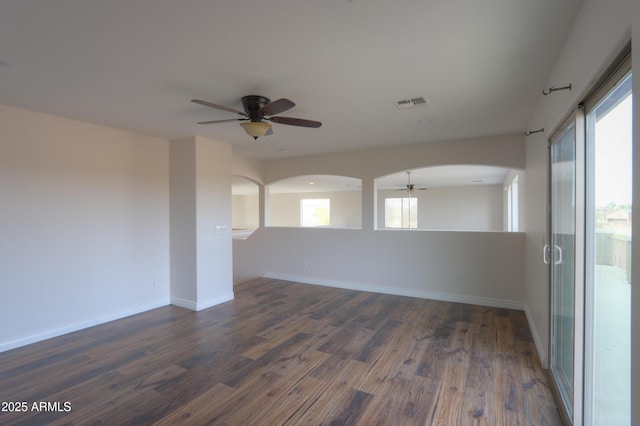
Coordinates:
x,y
531,132
555,89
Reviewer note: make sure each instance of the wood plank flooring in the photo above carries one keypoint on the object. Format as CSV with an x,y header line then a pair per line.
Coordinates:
x,y
284,353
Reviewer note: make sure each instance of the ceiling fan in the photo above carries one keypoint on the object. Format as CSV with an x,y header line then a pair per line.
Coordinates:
x,y
409,187
257,109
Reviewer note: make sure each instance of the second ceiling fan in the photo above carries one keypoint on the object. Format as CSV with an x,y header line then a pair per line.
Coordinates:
x,y
257,111
409,187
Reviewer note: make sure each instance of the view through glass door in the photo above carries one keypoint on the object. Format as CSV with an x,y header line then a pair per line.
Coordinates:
x,y
608,304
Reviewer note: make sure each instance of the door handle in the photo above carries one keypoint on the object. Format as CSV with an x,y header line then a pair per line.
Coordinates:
x,y
546,251
559,250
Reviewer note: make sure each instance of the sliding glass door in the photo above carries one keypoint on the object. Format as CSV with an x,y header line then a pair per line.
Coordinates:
x,y
563,265
589,252
608,272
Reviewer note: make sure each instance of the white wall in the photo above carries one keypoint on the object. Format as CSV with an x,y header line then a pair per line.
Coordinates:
x,y
84,225
456,266
444,265
505,150
201,249
245,211
599,32
213,191
183,229
457,208
248,168
346,208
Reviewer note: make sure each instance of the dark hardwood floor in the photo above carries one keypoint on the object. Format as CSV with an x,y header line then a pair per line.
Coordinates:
x,y
287,353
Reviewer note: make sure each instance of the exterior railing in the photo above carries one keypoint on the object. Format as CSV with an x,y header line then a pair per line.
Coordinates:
x,y
614,249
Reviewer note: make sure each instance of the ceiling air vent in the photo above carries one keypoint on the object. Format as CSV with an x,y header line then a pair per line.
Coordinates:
x,y
411,103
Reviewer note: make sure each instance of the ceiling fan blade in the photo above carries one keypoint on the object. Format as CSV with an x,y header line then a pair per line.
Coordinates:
x,y
228,120
296,121
277,106
411,188
212,105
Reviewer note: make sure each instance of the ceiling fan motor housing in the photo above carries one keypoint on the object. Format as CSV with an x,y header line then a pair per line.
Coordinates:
x,y
252,105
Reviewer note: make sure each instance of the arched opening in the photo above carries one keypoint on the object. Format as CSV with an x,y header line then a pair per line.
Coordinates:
x,y
451,197
245,207
321,201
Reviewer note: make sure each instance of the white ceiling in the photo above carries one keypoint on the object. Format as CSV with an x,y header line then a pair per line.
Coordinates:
x,y
136,65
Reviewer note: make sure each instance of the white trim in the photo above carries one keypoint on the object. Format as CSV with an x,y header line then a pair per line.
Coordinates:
x,y
213,302
184,303
198,306
542,354
34,338
422,294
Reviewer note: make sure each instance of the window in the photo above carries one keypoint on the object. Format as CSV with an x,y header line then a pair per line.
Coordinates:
x,y
401,213
315,212
512,205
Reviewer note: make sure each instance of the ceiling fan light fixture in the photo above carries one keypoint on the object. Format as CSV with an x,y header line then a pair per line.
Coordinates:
x,y
256,129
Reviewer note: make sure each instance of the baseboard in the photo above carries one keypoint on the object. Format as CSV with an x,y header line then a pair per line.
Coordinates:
x,y
34,338
200,305
184,303
542,354
422,294
216,301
